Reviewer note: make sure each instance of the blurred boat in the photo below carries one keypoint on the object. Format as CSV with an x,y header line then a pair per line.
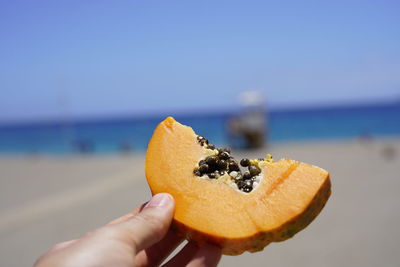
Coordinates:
x,y
248,129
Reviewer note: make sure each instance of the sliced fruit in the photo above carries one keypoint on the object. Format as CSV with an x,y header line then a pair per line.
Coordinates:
x,y
212,202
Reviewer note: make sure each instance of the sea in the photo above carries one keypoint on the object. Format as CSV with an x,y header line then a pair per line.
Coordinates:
x,y
132,133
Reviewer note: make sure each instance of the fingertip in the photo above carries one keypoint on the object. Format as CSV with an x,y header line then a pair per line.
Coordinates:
x,y
150,224
161,200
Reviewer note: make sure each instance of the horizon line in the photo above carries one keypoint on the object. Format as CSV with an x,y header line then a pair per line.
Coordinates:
x,y
189,113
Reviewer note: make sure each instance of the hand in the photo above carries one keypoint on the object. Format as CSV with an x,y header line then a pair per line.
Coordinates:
x,y
139,238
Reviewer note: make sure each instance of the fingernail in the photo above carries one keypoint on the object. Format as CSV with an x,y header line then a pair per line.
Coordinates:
x,y
159,200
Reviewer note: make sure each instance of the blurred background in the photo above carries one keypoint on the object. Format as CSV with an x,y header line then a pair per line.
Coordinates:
x,y
83,84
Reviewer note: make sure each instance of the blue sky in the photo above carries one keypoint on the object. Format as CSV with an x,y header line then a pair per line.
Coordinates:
x,y
104,58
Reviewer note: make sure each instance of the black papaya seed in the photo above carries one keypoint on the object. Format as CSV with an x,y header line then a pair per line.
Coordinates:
x,y
211,160
203,168
224,155
212,175
245,162
254,170
246,175
197,172
233,166
222,164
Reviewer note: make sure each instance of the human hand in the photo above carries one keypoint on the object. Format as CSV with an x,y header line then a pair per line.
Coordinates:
x,y
139,238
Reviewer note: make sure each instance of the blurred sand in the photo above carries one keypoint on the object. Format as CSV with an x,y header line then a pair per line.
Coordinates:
x,y
45,200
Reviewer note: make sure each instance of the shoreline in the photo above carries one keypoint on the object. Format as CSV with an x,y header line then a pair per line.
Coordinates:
x,y
142,153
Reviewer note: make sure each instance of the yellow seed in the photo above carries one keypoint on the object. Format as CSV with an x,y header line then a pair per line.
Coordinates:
x,y
269,158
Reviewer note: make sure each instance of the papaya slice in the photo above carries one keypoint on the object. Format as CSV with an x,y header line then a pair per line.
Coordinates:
x,y
213,205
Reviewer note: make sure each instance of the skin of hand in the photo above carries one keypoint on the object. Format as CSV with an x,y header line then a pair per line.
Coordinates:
x,y
140,238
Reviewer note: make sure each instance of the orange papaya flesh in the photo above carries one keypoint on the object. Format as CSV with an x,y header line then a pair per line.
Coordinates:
x,y
289,196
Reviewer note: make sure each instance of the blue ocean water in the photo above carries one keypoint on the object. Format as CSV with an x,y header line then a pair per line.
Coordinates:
x,y
122,134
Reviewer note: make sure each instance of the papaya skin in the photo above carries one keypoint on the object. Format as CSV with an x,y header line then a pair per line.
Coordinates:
x,y
290,195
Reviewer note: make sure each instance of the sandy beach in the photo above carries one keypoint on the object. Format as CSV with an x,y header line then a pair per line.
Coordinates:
x,y
45,200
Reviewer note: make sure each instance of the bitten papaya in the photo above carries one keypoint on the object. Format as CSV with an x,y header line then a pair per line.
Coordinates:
x,y
237,205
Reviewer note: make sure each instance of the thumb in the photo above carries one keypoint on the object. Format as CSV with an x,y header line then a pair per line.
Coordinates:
x,y
150,225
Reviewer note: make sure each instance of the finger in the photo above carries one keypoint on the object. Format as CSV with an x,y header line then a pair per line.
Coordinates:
x,y
207,255
184,256
195,256
156,254
149,225
61,245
